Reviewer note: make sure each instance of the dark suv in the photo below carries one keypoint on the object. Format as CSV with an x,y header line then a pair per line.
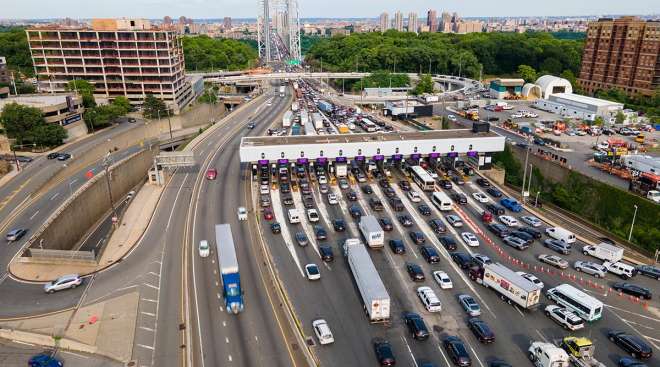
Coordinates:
x,y
495,209
459,198
481,330
500,230
396,204
463,260
367,189
448,242
326,253
376,204
415,272
397,246
384,352
405,220
417,237
437,226
456,351
430,254
631,344
416,326
424,209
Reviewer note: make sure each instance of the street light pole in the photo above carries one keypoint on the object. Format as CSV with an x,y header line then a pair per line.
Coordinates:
x,y
632,224
522,192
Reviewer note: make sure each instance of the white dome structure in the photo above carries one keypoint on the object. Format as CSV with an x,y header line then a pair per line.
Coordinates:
x,y
531,91
551,84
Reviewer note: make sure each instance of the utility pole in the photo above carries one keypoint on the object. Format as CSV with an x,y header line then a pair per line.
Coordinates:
x,y
106,165
522,192
632,224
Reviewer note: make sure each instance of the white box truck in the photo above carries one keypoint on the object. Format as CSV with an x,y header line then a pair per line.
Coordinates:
x,y
604,251
372,231
294,106
544,354
294,216
510,286
304,117
341,170
318,121
375,298
286,119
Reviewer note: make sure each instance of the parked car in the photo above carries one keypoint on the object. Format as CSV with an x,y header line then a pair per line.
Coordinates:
x,y
442,278
481,330
591,268
631,344
384,352
553,260
456,351
557,245
397,246
64,282
633,290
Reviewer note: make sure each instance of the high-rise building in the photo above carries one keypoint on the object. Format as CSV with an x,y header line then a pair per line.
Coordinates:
x,y
4,72
120,57
469,27
226,23
384,22
432,20
398,21
446,25
621,53
413,23
167,21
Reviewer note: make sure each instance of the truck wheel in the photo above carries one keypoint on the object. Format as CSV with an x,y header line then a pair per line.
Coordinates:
x,y
597,275
624,277
532,358
585,253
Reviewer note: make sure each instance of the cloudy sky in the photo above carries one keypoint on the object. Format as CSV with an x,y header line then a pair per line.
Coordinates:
x,y
316,8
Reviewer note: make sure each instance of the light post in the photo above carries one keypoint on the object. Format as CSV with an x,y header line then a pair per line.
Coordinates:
x,y
70,186
536,202
106,165
632,225
522,192
13,149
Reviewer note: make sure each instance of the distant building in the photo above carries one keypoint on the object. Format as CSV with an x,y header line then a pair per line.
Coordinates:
x,y
384,22
506,88
413,23
121,57
550,84
226,22
65,110
621,53
5,78
398,21
581,107
432,20
446,25
167,21
468,27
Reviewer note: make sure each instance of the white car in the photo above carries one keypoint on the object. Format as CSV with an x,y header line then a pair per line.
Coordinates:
x,y
312,215
482,259
432,174
480,197
242,213
204,249
312,272
531,278
564,317
332,199
516,115
323,180
322,331
508,220
264,190
430,301
414,196
532,115
532,221
443,279
454,220
451,117
470,239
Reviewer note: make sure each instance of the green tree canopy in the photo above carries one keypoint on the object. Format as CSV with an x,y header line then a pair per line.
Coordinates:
x,y
153,107
206,53
19,121
425,85
48,135
123,103
14,46
527,72
86,90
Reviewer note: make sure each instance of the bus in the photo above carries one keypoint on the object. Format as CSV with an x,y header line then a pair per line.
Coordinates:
x,y
441,201
422,178
584,305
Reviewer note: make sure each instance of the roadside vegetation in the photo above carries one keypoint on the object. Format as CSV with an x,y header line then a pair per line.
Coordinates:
x,y
98,117
27,126
203,53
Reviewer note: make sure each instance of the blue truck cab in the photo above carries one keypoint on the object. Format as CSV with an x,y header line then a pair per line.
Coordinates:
x,y
511,204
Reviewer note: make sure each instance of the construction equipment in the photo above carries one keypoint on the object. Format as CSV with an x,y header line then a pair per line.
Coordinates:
x,y
580,351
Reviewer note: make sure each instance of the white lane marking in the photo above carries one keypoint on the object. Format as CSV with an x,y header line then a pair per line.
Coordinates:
x,y
148,314
286,235
226,340
630,312
311,238
54,196
146,328
395,221
541,335
229,358
125,288
34,215
517,309
76,354
22,342
475,353
444,356
224,323
148,300
98,243
412,356
146,346
169,220
151,286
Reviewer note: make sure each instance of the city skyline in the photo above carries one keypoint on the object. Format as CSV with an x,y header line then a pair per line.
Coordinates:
x,y
204,9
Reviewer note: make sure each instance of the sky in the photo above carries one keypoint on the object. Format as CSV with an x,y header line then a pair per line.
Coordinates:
x,y
199,9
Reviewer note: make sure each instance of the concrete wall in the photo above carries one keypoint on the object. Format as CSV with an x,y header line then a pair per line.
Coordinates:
x,y
546,160
67,226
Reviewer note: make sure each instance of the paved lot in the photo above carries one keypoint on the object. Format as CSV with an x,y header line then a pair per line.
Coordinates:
x,y
17,355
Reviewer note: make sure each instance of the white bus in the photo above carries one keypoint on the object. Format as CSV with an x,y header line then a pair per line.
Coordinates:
x,y
584,305
441,201
422,178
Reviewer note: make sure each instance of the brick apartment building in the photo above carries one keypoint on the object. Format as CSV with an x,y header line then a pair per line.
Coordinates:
x,y
621,53
121,57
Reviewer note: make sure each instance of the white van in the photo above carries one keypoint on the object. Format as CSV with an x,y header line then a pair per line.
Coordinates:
x,y
294,216
429,299
625,271
560,234
441,201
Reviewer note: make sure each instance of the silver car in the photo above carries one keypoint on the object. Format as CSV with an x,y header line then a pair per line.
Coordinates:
x,y
553,260
591,268
454,220
63,282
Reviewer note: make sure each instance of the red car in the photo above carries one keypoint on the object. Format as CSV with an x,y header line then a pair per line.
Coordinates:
x,y
211,174
268,214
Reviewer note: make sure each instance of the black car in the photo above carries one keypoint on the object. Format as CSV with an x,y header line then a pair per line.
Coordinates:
x,y
633,290
386,224
495,209
528,238
459,198
53,155
631,344
390,193
481,330
448,242
404,185
384,353
396,204
630,362
483,182
500,230
417,237
275,227
499,363
287,200
456,351
351,196
63,156
531,231
308,201
446,184
339,225
415,272
416,326
463,260
326,253
355,211
320,233
285,188
397,246
424,209
437,226
367,189
430,254
376,204
494,192
649,271
384,183
405,220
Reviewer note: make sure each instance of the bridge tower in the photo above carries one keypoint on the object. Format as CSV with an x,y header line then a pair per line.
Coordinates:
x,y
294,29
263,30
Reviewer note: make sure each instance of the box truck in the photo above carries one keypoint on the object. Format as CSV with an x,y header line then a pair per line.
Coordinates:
x,y
294,106
511,287
228,265
372,231
341,170
325,106
318,121
286,119
604,251
304,117
375,298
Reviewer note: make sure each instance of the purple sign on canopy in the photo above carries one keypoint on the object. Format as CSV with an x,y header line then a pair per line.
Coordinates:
x,y
263,161
321,160
397,157
282,161
452,154
302,160
415,156
359,158
379,157
472,153
340,159
434,155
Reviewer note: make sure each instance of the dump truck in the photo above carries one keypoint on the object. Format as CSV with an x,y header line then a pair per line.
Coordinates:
x,y
375,298
511,287
580,351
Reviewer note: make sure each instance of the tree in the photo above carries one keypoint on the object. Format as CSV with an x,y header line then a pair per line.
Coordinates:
x,y
598,121
568,75
425,85
527,72
153,107
86,90
123,103
620,117
14,46
206,53
19,120
48,135
209,96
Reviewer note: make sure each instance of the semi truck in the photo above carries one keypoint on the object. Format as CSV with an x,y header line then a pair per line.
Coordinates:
x,y
372,231
286,119
544,354
294,106
375,298
318,121
604,251
511,287
325,106
228,264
